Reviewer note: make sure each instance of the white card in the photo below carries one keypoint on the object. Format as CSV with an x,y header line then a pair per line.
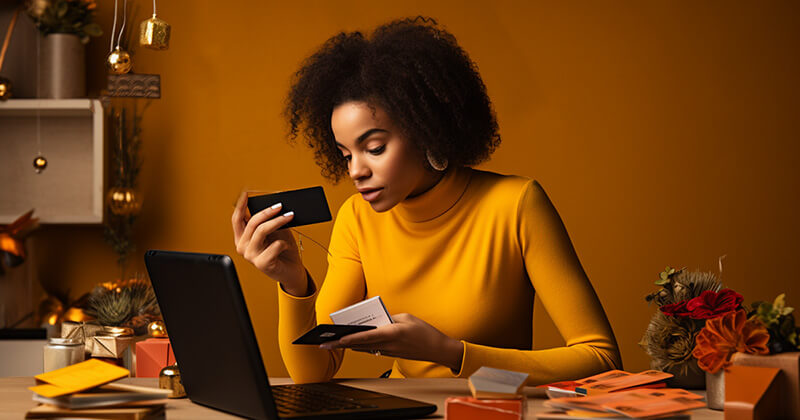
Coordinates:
x,y
367,312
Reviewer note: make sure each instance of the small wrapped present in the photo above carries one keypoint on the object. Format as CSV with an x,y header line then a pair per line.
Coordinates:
x,y
496,384
469,408
152,355
114,344
83,331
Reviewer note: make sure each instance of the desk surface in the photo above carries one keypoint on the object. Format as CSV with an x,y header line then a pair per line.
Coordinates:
x,y
15,398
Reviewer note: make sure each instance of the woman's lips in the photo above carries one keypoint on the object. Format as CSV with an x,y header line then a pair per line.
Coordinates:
x,y
371,195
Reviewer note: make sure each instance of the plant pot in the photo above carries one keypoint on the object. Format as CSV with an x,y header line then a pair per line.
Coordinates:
x,y
690,377
715,390
63,67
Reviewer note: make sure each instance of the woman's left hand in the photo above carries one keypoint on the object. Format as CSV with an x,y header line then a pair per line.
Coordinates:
x,y
408,338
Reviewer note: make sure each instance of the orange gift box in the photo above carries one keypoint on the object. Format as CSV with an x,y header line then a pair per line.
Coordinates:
x,y
152,355
468,408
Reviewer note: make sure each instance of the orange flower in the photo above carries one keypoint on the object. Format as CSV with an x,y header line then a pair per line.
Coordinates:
x,y
725,335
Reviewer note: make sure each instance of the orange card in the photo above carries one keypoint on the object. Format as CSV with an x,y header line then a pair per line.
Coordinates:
x,y
77,377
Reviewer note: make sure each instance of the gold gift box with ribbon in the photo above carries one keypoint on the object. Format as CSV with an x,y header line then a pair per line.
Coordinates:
x,y
112,342
100,340
83,331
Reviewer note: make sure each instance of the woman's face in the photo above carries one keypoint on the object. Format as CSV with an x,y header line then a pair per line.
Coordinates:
x,y
384,166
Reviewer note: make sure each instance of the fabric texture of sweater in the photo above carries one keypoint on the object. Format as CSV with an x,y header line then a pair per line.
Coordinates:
x,y
467,257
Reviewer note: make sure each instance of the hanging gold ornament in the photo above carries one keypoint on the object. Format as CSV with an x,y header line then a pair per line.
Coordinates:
x,y
154,34
5,89
124,201
39,164
119,61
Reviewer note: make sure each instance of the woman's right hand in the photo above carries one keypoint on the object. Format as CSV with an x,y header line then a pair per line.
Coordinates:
x,y
273,252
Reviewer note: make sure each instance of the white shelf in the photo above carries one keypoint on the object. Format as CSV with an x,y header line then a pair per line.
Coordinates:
x,y
70,189
48,107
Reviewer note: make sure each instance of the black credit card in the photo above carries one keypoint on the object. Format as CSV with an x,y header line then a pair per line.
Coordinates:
x,y
308,204
330,332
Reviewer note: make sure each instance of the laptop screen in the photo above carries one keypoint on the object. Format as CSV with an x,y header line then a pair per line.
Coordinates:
x,y
210,332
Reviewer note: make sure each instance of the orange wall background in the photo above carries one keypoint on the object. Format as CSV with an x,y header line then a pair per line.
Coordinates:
x,y
666,133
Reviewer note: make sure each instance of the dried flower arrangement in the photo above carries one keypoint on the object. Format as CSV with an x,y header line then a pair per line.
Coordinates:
x,y
700,325
669,340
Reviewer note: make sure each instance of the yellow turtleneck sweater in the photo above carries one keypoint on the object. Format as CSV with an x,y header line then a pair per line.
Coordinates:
x,y
467,257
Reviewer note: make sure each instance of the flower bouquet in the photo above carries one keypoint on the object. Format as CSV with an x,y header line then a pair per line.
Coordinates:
x,y
686,299
700,326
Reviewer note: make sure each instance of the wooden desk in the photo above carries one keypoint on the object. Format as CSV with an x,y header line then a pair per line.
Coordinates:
x,y
15,398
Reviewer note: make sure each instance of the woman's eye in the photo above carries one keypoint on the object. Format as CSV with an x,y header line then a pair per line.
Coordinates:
x,y
378,150
346,158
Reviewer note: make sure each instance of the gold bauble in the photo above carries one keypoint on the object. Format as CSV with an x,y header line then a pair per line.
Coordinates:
x,y
119,61
124,201
157,329
39,163
170,378
5,89
154,34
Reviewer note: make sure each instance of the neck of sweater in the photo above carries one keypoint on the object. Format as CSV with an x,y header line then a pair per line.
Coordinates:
x,y
437,200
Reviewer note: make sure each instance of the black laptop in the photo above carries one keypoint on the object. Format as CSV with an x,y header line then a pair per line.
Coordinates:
x,y
218,356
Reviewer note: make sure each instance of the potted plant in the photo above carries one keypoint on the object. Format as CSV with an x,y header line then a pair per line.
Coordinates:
x,y
65,27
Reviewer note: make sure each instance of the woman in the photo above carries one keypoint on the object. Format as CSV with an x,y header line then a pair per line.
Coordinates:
x,y
455,253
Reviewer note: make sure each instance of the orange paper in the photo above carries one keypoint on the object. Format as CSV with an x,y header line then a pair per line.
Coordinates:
x,y
623,382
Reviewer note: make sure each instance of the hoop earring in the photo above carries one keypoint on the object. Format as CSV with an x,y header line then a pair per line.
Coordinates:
x,y
437,165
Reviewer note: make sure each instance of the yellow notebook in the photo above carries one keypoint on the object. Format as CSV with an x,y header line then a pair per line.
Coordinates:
x,y
77,377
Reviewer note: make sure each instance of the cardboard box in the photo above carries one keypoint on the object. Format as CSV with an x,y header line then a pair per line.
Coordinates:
x,y
152,355
469,408
788,382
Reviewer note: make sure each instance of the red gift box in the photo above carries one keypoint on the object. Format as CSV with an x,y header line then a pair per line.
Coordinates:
x,y
468,408
152,355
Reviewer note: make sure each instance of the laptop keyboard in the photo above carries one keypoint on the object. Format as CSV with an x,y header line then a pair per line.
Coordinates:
x,y
308,398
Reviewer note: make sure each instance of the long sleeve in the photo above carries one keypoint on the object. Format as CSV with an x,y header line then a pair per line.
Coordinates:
x,y
467,257
566,293
343,286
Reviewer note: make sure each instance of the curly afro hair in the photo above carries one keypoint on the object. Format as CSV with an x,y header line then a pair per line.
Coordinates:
x,y
416,72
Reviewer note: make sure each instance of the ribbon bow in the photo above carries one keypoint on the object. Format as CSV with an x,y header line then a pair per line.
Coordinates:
x,y
12,248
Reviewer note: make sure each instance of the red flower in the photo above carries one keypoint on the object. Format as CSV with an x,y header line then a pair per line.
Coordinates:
x,y
676,309
713,304
706,306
